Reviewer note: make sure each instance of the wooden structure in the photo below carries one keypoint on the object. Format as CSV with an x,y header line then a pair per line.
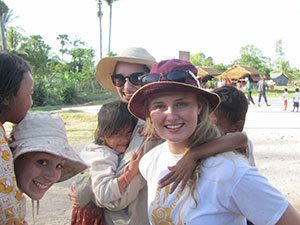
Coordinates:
x,y
279,78
206,73
238,72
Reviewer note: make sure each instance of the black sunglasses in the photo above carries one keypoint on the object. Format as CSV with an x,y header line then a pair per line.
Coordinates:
x,y
178,76
119,80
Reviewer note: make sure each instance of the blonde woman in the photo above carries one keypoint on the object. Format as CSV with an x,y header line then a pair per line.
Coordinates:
x,y
223,189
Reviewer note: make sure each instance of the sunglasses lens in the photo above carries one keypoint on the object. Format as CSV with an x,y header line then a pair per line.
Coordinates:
x,y
179,76
149,78
134,78
118,80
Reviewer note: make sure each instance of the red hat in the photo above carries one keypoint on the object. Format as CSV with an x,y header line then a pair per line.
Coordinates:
x,y
136,103
265,78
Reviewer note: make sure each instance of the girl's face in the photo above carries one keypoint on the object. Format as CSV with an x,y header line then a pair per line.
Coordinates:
x,y
22,102
36,172
120,140
174,116
126,69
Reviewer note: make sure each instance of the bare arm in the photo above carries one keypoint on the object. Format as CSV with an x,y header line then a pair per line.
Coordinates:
x,y
132,170
290,217
184,168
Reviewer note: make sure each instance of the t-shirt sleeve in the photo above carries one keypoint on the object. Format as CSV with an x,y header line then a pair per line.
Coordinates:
x,y
256,199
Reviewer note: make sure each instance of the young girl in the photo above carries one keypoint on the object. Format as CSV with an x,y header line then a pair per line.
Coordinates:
x,y
16,88
223,189
112,136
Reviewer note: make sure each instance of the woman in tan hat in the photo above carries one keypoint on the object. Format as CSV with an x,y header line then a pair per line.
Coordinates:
x,y
121,75
224,189
42,154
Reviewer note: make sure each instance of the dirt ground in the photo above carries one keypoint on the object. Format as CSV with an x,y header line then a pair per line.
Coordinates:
x,y
276,138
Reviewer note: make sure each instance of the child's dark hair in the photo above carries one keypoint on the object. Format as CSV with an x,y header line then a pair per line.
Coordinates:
x,y
285,89
12,69
297,89
112,117
234,104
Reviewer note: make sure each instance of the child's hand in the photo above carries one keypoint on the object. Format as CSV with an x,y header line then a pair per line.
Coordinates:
x,y
133,168
72,196
181,172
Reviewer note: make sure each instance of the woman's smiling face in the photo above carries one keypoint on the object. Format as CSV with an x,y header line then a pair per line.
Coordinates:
x,y
36,172
175,116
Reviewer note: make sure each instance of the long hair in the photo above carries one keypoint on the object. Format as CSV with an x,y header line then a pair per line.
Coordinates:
x,y
205,131
12,69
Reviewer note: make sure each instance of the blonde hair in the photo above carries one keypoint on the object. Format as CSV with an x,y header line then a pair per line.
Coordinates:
x,y
205,131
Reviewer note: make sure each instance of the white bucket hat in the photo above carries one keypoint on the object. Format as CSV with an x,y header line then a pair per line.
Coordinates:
x,y
43,132
106,66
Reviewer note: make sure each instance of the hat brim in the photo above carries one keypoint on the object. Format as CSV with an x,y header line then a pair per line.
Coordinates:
x,y
136,104
73,164
106,67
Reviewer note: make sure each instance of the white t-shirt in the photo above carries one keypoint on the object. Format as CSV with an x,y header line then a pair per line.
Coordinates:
x,y
285,95
228,192
296,97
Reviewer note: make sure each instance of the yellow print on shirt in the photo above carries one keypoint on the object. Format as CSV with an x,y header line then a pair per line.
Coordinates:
x,y
6,186
163,207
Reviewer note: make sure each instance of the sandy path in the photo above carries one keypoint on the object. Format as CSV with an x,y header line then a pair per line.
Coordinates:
x,y
276,138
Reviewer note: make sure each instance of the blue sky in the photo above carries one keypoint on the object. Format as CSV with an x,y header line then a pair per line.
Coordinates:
x,y
217,28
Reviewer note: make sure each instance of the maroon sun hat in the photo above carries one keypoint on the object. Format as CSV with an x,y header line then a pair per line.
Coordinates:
x,y
137,102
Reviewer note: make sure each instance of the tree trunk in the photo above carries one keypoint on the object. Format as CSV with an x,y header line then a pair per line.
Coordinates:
x,y
100,26
110,18
3,34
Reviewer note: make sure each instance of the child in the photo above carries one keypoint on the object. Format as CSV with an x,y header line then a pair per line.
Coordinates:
x,y
112,136
42,154
285,99
230,115
16,88
296,100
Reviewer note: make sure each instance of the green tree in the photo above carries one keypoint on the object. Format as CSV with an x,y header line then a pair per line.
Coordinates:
x,y
37,52
14,39
64,39
252,56
3,10
283,66
200,59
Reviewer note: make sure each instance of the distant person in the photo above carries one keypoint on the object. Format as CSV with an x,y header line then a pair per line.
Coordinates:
x,y
285,98
261,87
221,82
230,115
16,88
249,91
296,100
42,154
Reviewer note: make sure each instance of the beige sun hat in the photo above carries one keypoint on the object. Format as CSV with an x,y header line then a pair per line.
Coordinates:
x,y
43,132
106,66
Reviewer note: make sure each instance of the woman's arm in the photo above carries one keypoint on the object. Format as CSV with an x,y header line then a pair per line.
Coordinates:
x,y
290,217
184,168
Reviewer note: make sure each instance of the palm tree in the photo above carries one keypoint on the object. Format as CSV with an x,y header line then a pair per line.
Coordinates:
x,y
64,39
100,24
110,2
3,10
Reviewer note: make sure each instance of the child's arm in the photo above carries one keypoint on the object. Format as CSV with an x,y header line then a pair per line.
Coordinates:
x,y
184,168
130,172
